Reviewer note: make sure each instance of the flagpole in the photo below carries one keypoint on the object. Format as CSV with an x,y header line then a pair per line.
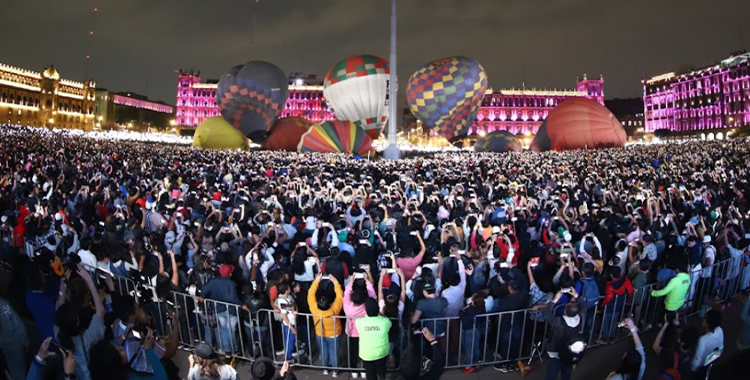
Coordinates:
x,y
391,151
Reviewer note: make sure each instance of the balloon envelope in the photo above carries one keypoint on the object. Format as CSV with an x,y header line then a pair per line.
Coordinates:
x,y
446,95
216,133
579,123
255,100
357,91
336,137
498,142
541,142
286,133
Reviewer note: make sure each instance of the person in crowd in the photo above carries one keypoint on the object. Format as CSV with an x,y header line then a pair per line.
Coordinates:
x,y
328,327
676,355
617,292
743,340
224,290
108,360
565,345
473,327
392,306
265,369
287,306
355,295
633,364
38,368
77,328
205,364
374,343
709,344
676,290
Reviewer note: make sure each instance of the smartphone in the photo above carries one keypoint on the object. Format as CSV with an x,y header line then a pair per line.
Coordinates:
x,y
363,241
390,271
197,224
136,334
364,266
564,256
325,277
504,265
414,233
303,244
417,332
534,261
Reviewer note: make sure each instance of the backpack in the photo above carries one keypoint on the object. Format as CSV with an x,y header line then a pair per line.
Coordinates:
x,y
590,292
672,373
572,338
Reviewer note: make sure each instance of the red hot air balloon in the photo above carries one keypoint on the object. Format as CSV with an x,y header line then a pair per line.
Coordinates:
x,y
286,133
579,123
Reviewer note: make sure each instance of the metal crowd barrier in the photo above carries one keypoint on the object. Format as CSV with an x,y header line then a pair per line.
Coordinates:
x,y
505,337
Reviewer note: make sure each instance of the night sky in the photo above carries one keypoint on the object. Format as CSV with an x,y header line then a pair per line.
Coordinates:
x,y
138,44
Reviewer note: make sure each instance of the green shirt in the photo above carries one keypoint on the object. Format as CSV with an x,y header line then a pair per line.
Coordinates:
x,y
373,337
676,292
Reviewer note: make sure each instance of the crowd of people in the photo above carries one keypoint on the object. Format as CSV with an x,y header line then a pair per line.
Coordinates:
x,y
311,259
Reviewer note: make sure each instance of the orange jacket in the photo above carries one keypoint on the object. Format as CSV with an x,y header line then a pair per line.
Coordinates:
x,y
327,323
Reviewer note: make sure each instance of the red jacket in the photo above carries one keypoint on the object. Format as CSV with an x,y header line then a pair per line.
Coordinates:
x,y
618,286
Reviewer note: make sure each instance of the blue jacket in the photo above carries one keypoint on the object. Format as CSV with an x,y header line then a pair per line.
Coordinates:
x,y
224,290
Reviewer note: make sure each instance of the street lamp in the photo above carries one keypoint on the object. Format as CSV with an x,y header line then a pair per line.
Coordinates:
x,y
391,151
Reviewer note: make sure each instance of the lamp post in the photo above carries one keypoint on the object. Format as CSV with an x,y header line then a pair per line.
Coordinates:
x,y
391,151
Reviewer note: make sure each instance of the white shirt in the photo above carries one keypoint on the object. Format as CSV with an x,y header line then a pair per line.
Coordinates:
x,y
707,344
709,254
455,294
87,258
226,372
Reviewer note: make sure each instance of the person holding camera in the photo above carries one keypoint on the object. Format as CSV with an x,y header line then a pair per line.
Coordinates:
x,y
38,367
355,295
108,361
328,327
565,344
77,329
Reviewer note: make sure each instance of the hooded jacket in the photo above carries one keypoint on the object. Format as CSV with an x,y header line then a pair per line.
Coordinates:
x,y
617,287
559,324
326,325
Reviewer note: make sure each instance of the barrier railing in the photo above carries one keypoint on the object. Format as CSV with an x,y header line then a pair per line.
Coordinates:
x,y
504,337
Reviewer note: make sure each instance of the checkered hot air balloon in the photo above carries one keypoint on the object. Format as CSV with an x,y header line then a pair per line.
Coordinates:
x,y
498,142
286,133
446,95
336,137
357,91
252,99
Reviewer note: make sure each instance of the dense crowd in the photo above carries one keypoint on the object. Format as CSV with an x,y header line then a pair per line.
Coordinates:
x,y
273,248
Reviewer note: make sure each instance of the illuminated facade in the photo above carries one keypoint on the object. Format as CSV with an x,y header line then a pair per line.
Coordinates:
x,y
523,111
196,100
713,97
131,111
43,99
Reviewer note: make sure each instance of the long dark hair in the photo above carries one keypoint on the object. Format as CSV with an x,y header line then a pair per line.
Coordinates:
x,y
209,367
390,307
631,365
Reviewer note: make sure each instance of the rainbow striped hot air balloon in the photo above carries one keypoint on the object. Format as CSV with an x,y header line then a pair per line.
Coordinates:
x,y
357,91
446,95
336,137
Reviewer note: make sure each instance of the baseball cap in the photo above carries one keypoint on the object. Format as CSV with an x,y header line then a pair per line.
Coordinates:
x,y
429,288
226,270
707,239
204,351
496,230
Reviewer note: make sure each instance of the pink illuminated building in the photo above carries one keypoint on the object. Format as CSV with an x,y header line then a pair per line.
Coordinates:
x,y
524,110
713,97
196,100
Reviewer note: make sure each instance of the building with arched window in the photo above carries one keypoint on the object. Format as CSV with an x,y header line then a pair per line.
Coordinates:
x,y
196,100
43,99
713,97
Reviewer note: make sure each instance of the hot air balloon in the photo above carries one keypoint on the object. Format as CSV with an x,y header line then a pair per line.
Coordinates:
x,y
336,137
286,133
357,91
256,99
227,85
446,95
498,142
579,123
541,142
216,133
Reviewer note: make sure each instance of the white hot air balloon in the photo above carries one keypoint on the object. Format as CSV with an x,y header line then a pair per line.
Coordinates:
x,y
357,91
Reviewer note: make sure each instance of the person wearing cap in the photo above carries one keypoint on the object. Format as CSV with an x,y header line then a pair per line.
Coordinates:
x,y
432,306
374,343
205,364
265,369
562,327
707,261
224,290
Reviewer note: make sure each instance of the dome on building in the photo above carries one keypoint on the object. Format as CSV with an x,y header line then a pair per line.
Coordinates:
x,y
51,73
